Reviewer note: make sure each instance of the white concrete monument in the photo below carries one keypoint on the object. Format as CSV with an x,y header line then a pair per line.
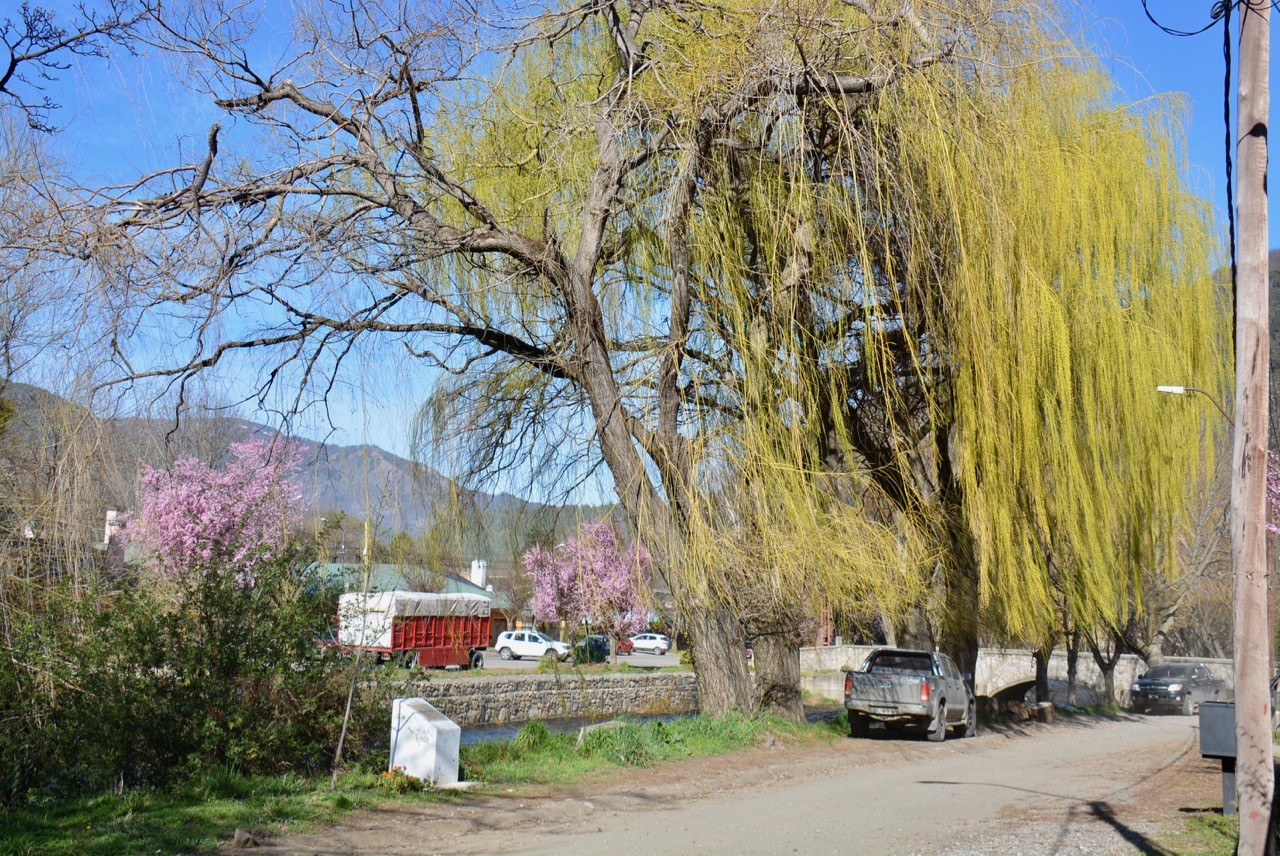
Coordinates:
x,y
424,741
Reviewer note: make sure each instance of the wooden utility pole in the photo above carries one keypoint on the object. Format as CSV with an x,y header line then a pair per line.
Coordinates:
x,y
1255,779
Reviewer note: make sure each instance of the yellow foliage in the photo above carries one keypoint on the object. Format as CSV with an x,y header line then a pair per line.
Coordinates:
x,y
1010,259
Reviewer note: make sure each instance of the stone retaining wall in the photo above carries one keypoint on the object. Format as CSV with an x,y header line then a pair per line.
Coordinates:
x,y
999,669
832,658
517,698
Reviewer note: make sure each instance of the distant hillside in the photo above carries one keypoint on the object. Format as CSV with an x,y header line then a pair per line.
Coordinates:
x,y
397,494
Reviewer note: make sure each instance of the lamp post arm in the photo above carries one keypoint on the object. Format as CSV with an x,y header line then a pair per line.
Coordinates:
x,y
1221,409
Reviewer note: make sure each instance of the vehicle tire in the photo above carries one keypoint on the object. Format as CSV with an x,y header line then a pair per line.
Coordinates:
x,y
477,659
505,654
1187,707
970,722
938,728
858,725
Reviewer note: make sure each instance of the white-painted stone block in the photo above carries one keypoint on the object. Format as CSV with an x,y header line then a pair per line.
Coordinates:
x,y
424,741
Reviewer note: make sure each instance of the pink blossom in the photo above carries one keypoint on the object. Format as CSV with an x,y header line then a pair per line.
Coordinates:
x,y
591,578
194,519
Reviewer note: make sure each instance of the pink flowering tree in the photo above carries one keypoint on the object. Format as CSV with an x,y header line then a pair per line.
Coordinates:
x,y
195,521
592,578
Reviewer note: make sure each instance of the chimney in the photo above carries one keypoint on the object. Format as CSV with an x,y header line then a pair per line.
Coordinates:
x,y
479,572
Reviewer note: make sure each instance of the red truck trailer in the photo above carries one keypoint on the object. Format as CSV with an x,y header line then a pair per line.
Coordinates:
x,y
416,628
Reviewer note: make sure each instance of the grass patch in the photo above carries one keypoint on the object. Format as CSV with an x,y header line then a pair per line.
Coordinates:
x,y
539,756
1205,834
191,817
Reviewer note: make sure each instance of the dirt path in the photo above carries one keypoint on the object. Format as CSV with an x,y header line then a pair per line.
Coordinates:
x,y
1091,785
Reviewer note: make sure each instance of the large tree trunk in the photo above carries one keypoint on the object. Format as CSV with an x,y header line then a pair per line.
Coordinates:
x,y
886,627
960,627
1073,661
1153,651
777,657
1042,676
1106,663
720,662
915,631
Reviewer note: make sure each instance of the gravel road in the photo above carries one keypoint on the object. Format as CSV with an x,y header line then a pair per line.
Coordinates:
x,y
1087,785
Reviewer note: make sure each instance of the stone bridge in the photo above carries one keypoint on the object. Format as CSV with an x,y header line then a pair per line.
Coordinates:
x,y
1005,673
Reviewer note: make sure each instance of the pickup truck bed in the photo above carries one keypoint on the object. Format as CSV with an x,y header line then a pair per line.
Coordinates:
x,y
916,689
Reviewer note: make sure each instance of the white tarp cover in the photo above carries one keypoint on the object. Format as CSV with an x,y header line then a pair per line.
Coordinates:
x,y
366,619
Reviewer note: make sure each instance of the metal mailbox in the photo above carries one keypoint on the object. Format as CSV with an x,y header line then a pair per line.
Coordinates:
x,y
1218,740
1218,729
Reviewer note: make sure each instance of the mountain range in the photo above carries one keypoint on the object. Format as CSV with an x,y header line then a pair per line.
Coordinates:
x,y
361,481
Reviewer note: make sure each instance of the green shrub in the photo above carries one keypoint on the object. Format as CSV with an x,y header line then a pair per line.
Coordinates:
x,y
138,685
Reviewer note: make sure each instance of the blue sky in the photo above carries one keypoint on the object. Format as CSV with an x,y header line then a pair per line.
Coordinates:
x,y
129,116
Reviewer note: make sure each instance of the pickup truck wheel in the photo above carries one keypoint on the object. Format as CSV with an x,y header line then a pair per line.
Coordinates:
x,y
505,654
938,728
858,725
970,722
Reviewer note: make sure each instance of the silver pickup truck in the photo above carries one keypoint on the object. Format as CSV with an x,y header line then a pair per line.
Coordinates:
x,y
919,689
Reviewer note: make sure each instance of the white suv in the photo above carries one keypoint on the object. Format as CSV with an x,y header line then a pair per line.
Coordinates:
x,y
654,643
514,644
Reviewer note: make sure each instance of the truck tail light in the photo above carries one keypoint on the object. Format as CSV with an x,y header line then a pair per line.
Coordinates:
x,y
924,692
848,684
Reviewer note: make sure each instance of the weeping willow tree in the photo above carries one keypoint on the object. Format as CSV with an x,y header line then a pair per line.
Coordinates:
x,y
844,299
947,307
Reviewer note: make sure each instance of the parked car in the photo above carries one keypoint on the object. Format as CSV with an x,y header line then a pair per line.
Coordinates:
x,y
514,644
592,649
1176,686
920,689
653,643
625,646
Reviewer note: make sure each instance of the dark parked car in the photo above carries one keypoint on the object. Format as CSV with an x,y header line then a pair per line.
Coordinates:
x,y
595,649
1176,686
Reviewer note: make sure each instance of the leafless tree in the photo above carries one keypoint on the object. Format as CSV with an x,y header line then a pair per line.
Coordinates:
x,y
40,46
1182,606
342,219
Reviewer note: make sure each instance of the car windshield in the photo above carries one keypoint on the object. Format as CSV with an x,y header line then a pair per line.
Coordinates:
x,y
899,663
1161,673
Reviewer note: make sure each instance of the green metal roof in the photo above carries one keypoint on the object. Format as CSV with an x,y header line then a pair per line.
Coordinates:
x,y
389,577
